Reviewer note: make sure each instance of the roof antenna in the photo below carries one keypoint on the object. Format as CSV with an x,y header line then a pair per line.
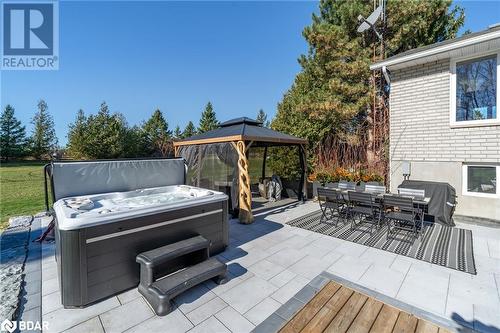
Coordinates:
x,y
369,22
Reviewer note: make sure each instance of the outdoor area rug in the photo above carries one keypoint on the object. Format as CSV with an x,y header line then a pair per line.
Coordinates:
x,y
446,246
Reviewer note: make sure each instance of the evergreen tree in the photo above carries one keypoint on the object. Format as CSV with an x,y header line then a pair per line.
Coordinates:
x,y
135,143
190,130
262,117
177,132
156,127
43,140
106,134
330,97
208,120
12,135
77,136
156,133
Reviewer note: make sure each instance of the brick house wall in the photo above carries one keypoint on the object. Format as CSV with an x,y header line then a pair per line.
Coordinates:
x,y
421,133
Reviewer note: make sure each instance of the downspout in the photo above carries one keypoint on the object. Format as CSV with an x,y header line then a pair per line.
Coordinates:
x,y
385,72
387,78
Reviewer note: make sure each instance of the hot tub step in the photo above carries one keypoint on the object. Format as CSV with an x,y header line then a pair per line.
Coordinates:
x,y
160,293
168,252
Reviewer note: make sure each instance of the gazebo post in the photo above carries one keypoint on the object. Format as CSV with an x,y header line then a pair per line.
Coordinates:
x,y
302,174
304,170
198,172
245,195
264,164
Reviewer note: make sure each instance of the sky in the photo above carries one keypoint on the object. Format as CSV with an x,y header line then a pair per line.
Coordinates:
x,y
176,56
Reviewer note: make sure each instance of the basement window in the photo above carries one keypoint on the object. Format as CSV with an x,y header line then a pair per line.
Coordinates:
x,y
474,91
481,180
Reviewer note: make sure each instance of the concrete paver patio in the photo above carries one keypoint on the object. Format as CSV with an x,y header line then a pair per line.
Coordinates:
x,y
269,262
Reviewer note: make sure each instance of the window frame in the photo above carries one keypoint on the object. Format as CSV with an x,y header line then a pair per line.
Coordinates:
x,y
453,92
465,178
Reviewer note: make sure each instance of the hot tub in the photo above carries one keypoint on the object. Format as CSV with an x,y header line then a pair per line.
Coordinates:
x,y
98,236
91,210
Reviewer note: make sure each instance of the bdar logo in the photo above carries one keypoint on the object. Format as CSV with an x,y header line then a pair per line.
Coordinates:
x,y
9,326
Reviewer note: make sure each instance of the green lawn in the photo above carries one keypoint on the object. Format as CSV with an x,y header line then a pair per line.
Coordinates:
x,y
21,189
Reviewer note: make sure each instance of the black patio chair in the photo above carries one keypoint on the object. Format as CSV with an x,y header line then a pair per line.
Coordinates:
x,y
364,206
332,204
400,213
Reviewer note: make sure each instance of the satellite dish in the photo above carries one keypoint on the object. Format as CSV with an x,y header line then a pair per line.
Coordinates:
x,y
370,21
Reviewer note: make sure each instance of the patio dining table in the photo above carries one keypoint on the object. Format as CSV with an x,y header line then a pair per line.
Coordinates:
x,y
379,196
419,203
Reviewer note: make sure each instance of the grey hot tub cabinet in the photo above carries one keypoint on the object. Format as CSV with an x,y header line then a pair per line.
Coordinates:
x,y
98,261
93,266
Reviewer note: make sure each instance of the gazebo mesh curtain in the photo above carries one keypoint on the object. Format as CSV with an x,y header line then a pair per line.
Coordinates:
x,y
213,166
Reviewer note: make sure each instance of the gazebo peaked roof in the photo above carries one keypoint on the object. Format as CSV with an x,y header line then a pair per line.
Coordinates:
x,y
242,129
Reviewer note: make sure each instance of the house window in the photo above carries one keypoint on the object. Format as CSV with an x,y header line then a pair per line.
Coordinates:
x,y
481,180
475,91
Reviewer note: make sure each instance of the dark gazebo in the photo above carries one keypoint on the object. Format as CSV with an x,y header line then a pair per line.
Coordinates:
x,y
219,158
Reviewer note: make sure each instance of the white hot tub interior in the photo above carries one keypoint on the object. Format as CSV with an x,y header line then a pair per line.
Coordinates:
x,y
94,205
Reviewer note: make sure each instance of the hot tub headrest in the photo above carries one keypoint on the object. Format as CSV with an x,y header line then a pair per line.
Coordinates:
x,y
92,177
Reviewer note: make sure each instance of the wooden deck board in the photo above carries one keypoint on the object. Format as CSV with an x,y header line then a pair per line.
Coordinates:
x,y
304,316
346,315
366,317
406,323
324,316
386,320
339,309
426,327
444,330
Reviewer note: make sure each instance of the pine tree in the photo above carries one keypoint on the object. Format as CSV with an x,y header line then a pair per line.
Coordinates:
x,y
156,127
190,130
330,97
262,117
177,132
156,134
135,143
43,140
12,135
106,134
77,136
208,120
